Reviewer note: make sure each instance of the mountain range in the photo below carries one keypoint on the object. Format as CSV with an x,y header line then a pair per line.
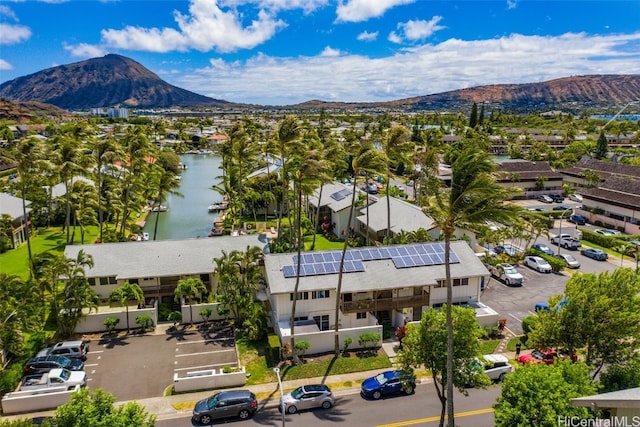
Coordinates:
x,y
115,80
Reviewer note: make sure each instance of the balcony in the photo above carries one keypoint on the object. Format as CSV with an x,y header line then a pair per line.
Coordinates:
x,y
379,304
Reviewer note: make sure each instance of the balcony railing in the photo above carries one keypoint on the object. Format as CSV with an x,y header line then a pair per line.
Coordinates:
x,y
384,303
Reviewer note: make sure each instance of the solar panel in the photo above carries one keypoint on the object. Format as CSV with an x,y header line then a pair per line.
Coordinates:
x,y
339,195
288,271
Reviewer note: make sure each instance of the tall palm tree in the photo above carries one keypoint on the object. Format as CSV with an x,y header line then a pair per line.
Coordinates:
x,y
397,148
190,288
474,198
137,149
333,154
166,182
105,151
84,204
368,160
125,293
308,167
288,134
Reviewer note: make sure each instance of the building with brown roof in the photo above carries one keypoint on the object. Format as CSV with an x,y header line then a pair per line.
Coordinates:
x,y
533,178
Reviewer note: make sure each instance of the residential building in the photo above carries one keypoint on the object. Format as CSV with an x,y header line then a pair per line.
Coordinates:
x,y
12,207
623,406
533,178
335,204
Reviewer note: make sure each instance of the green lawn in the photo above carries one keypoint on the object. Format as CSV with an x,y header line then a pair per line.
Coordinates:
x,y
15,261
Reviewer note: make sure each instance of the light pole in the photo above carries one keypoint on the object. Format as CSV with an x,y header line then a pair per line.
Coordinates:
x,y
560,230
277,371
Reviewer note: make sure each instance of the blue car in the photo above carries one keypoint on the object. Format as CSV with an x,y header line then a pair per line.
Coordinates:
x,y
577,219
543,248
388,383
596,254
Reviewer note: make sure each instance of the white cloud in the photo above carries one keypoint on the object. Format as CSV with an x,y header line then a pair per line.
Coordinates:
x,y
12,34
84,50
361,10
274,5
329,51
4,65
394,37
206,27
419,30
419,70
6,11
366,36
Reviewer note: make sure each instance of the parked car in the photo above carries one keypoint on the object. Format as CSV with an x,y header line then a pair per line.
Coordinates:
x,y
558,198
545,199
545,356
542,248
575,198
496,366
562,208
507,273
507,248
72,349
43,364
307,397
372,188
541,306
565,240
577,219
607,232
571,261
596,254
387,383
537,263
234,403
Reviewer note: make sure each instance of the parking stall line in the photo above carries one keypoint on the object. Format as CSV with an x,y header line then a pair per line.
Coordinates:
x,y
205,352
213,365
205,341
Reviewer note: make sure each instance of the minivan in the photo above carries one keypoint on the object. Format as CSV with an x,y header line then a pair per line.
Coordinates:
x,y
72,349
232,403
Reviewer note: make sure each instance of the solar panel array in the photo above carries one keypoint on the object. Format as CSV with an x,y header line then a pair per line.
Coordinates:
x,y
339,195
403,256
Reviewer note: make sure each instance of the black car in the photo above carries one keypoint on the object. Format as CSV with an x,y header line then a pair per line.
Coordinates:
x,y
234,403
43,364
558,198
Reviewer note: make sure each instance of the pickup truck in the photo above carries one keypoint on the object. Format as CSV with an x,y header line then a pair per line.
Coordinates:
x,y
54,378
506,273
566,241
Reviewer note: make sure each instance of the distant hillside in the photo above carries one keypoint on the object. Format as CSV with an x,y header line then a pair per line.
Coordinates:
x,y
112,80
596,91
30,111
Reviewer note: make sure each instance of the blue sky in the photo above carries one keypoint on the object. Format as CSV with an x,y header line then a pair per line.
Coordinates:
x,y
282,52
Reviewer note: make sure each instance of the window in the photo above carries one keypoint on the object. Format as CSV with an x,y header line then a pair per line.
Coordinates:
x,y
319,294
109,280
301,295
456,282
362,315
322,322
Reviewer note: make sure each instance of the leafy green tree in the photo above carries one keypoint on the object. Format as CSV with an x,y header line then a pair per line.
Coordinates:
x,y
190,289
473,199
124,294
426,345
473,117
621,377
538,394
206,314
585,318
18,314
602,146
145,321
175,317
97,409
110,323
367,161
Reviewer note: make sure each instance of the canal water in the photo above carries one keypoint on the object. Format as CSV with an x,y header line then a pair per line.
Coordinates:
x,y
188,216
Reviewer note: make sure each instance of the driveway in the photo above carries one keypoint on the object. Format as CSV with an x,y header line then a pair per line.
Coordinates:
x,y
135,367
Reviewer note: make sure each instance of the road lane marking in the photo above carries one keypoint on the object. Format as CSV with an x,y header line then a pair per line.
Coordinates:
x,y
205,366
433,419
204,352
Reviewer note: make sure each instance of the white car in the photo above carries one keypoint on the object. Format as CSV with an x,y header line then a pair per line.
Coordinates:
x,y
569,259
537,263
496,366
575,198
607,232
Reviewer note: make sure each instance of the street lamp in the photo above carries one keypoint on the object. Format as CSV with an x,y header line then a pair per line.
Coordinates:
x,y
277,371
560,231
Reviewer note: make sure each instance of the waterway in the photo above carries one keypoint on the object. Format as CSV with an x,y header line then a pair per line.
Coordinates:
x,y
188,217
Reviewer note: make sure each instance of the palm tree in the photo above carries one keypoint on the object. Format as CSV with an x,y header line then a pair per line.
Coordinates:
x,y
166,182
397,146
105,151
190,288
473,199
308,167
77,293
370,161
288,134
125,293
84,204
137,149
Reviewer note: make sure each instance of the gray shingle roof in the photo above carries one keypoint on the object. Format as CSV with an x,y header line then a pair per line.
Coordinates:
x,y
12,206
404,216
162,258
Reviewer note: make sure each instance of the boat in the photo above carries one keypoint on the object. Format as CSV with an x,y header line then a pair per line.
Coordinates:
x,y
159,208
216,231
218,206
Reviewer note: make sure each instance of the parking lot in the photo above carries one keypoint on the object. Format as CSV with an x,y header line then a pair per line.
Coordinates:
x,y
142,366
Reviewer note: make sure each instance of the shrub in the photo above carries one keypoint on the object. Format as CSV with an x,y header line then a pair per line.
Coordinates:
x,y
528,323
301,347
274,347
365,339
145,322
110,323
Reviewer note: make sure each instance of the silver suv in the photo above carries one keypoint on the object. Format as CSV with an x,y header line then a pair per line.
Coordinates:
x,y
307,397
72,349
232,403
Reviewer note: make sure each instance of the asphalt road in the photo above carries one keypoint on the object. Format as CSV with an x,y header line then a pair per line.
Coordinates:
x,y
420,409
